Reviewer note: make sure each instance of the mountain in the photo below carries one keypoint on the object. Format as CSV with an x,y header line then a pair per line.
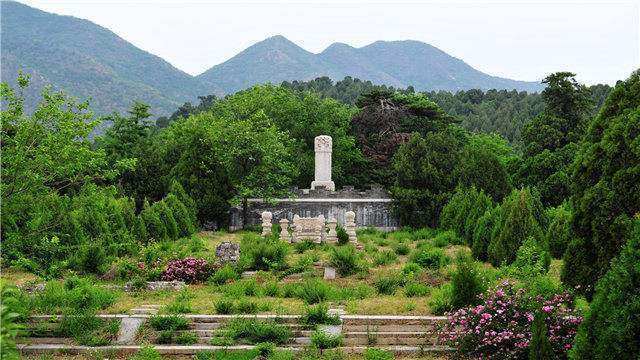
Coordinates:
x,y
88,61
395,63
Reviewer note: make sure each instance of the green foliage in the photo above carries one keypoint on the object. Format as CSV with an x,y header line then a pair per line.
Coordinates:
x,y
610,329
430,258
147,353
186,338
481,168
605,186
559,234
314,291
224,307
88,329
258,253
401,249
414,289
521,217
483,232
532,259
78,294
323,340
10,327
343,237
411,269
385,257
466,284
540,347
224,275
388,284
318,315
440,301
168,322
377,354
464,209
346,260
253,331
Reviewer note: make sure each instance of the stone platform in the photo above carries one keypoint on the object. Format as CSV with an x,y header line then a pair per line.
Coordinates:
x,y
373,207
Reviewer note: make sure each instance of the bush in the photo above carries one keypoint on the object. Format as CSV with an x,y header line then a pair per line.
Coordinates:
x,y
78,294
483,233
388,284
223,275
189,270
90,259
168,322
184,221
246,307
531,260
181,304
501,324
402,249
147,353
314,291
165,337
345,259
88,329
186,338
431,258
521,217
224,307
266,254
377,354
559,233
540,347
253,331
271,289
611,329
385,257
154,225
466,285
318,315
244,287
462,212
343,237
322,340
411,270
440,301
415,289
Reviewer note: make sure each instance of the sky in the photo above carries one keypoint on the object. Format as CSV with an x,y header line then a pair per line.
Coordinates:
x,y
522,40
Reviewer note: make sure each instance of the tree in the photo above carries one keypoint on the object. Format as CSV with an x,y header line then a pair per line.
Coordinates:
x,y
606,187
521,217
611,328
466,284
540,347
464,209
550,139
558,234
481,167
424,181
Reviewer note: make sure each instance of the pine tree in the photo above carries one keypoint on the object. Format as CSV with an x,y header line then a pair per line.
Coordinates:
x,y
166,215
540,347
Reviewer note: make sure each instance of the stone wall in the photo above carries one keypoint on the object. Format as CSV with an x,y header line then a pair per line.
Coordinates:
x,y
372,207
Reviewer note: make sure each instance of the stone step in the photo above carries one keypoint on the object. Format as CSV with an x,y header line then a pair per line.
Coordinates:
x,y
281,319
213,333
395,338
45,340
219,325
151,306
144,311
391,320
296,341
387,328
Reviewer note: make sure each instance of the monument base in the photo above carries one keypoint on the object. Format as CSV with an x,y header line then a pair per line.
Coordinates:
x,y
327,185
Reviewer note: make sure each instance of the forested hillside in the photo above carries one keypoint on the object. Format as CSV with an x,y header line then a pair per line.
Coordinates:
x,y
88,61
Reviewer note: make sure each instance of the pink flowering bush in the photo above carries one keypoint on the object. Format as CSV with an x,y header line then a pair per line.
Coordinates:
x,y
500,327
189,270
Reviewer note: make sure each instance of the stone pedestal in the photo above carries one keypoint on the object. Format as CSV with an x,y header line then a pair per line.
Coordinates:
x,y
322,147
266,223
332,236
284,230
329,273
227,252
350,226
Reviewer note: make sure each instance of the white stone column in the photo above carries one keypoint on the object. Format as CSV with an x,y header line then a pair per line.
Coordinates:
x,y
350,226
266,223
284,230
322,147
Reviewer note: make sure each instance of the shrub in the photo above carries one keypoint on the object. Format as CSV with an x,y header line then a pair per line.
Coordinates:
x,y
609,330
223,275
318,315
501,324
88,329
154,225
189,270
415,289
540,347
168,322
385,257
246,307
483,233
304,245
521,217
244,287
186,338
377,354
388,284
343,237
466,285
262,254
166,216
271,289
322,340
559,233
531,260
462,212
90,259
10,327
420,234
440,301
314,291
184,221
224,307
431,258
165,337
254,331
345,259
402,249
147,353
411,270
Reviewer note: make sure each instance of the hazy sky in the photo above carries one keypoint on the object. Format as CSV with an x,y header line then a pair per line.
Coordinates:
x,y
523,40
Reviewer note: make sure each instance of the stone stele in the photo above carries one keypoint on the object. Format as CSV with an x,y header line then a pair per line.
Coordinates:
x,y
322,147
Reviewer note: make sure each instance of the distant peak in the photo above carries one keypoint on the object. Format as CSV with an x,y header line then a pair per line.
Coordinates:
x,y
338,46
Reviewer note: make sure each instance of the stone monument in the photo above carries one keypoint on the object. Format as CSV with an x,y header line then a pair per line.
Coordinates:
x,y
322,147
311,228
350,226
284,230
332,236
266,223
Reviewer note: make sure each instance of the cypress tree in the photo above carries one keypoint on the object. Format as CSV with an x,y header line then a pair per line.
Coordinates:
x,y
540,347
181,215
166,215
155,227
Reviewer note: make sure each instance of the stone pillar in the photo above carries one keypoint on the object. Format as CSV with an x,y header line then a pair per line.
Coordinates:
x,y
284,230
332,236
266,223
296,228
322,230
322,147
350,226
